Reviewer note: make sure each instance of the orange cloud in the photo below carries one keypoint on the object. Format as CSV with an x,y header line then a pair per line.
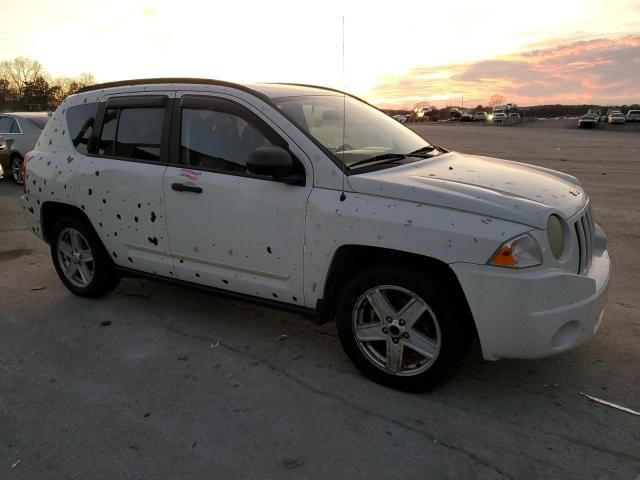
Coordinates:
x,y
600,71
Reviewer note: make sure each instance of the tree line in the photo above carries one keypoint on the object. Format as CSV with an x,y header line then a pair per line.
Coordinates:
x,y
26,86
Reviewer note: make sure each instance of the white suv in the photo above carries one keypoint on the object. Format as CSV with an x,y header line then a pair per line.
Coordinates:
x,y
271,193
633,116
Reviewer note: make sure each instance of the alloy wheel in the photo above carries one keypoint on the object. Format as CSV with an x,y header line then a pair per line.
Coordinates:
x,y
75,257
396,330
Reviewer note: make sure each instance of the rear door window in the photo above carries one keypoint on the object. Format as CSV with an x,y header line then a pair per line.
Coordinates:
x,y
139,133
132,133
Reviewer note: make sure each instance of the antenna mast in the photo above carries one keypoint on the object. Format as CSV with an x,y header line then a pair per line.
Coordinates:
x,y
344,118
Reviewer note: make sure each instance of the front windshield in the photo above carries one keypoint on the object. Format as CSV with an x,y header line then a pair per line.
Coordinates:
x,y
367,132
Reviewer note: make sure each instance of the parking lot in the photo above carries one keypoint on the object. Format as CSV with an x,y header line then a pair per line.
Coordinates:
x,y
158,381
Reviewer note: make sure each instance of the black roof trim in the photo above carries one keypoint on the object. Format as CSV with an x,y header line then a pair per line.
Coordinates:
x,y
157,81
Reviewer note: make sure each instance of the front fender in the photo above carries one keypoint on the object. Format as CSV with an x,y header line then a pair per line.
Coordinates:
x,y
441,233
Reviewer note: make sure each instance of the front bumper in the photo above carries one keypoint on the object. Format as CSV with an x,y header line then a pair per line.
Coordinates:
x,y
535,313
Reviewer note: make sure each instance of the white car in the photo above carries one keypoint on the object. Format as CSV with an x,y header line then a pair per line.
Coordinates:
x,y
633,116
616,118
401,118
266,192
588,121
499,117
479,116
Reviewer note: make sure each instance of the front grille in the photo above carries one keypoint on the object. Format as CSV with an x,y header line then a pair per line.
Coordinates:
x,y
585,232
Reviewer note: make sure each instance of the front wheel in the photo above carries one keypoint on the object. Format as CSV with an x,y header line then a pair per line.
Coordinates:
x,y
402,328
80,260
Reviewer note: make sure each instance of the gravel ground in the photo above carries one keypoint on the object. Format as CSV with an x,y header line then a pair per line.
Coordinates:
x,y
157,381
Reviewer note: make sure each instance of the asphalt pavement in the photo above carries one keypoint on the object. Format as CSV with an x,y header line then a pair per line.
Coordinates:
x,y
158,381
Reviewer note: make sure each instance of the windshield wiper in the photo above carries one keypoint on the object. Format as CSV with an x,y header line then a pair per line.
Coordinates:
x,y
378,159
423,150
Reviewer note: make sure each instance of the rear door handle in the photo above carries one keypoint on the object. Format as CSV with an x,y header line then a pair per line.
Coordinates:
x,y
181,187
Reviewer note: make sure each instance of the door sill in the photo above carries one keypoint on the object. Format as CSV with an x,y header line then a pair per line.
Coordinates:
x,y
309,313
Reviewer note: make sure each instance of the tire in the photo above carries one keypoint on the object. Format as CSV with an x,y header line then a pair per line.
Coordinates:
x,y
441,327
80,259
16,169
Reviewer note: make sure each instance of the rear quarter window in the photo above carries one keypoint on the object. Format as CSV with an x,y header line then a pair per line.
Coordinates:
x,y
8,125
80,121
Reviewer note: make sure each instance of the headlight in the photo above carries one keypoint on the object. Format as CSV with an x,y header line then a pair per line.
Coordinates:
x,y
519,252
555,233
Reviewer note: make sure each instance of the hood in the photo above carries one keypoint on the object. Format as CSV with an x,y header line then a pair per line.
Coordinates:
x,y
496,188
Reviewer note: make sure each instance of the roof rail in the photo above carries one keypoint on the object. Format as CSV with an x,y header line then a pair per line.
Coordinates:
x,y
319,87
156,81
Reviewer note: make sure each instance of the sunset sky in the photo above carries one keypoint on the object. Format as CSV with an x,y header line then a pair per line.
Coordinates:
x,y
396,53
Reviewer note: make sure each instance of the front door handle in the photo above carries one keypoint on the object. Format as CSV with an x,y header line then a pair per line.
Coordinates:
x,y
181,187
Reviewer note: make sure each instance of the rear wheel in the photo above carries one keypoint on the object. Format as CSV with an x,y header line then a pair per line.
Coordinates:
x,y
80,260
16,169
402,329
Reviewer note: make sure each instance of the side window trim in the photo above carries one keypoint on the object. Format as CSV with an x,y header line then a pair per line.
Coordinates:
x,y
134,102
140,101
227,106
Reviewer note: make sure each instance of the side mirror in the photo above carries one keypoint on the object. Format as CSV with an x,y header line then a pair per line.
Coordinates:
x,y
270,161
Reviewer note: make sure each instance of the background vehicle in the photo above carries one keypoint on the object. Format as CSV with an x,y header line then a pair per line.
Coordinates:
x,y
479,116
4,157
498,117
400,118
467,117
424,114
588,121
596,113
633,116
616,118
23,130
505,108
272,192
514,115
455,114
